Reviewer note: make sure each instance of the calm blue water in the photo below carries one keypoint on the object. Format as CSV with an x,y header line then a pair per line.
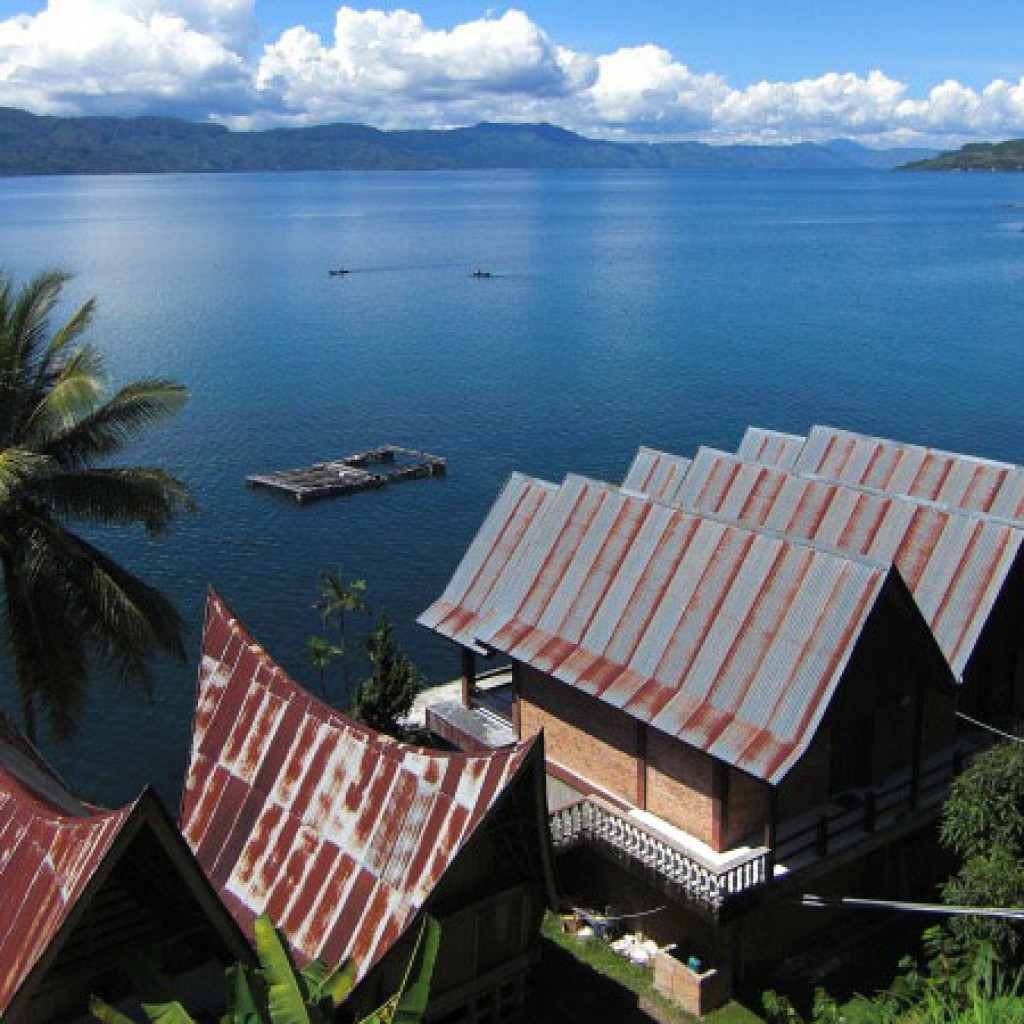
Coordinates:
x,y
631,308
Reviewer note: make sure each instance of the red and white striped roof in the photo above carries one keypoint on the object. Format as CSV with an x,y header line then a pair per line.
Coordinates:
x,y
954,563
51,846
338,832
729,639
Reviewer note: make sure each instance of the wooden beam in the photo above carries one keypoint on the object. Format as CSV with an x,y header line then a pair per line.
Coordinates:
x,y
719,804
641,765
468,677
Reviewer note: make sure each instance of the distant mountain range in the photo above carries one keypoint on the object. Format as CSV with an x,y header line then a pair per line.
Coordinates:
x,y
31,145
976,156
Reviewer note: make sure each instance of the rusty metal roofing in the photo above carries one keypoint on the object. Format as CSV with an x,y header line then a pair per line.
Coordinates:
x,y
730,639
954,563
456,614
51,846
771,446
656,474
947,478
337,832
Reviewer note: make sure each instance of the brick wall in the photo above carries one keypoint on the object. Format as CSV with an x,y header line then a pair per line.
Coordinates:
x,y
594,740
747,810
680,783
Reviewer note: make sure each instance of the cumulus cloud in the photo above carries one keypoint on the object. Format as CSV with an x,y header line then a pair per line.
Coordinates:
x,y
203,59
392,66
127,56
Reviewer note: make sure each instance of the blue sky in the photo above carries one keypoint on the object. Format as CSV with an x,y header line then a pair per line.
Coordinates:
x,y
891,72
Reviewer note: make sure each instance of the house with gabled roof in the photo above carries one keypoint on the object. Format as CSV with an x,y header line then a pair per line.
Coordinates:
x,y
706,689
965,569
81,887
346,837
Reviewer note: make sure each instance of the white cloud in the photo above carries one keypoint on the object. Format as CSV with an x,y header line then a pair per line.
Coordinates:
x,y
198,58
391,67
119,56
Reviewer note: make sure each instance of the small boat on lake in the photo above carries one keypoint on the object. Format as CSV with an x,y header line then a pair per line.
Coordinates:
x,y
482,273
338,272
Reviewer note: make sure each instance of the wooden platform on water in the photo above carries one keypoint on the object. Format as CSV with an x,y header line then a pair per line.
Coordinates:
x,y
366,471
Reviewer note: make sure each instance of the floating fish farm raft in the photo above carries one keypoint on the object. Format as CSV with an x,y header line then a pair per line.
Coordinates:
x,y
366,471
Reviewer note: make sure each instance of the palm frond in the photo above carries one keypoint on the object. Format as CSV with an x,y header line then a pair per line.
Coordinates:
x,y
122,496
44,644
19,469
108,427
65,394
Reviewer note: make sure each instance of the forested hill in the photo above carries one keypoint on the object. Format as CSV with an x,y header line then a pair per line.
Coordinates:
x,y
30,145
977,156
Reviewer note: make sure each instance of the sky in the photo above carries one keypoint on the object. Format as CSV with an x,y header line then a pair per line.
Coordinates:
x,y
899,72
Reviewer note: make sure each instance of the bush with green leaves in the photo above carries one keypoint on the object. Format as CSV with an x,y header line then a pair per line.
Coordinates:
x,y
384,700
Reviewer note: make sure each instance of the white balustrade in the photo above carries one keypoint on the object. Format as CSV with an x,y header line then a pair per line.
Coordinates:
x,y
593,821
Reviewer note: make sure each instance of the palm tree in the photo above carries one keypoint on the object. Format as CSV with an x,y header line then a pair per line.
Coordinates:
x,y
335,599
65,601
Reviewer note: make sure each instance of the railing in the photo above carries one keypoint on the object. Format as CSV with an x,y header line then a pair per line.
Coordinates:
x,y
594,821
870,811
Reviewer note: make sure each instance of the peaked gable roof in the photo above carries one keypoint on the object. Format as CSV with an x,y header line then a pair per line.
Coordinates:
x,y
730,639
771,446
338,832
51,846
955,564
894,467
656,474
457,612
55,852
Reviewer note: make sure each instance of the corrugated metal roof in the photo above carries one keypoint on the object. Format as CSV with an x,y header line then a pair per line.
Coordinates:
x,y
947,478
456,614
954,563
771,446
51,845
656,474
336,831
730,639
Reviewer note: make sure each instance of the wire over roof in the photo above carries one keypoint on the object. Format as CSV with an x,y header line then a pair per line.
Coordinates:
x,y
338,832
955,564
730,639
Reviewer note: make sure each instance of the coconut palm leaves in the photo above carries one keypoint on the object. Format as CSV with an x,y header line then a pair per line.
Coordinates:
x,y
65,602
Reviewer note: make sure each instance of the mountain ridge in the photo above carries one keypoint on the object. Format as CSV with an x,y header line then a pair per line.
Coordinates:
x,y
32,144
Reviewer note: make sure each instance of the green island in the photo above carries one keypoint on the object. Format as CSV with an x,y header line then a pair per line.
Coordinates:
x,y
975,156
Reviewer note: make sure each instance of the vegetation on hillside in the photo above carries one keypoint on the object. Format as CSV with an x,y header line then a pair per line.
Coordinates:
x,y
30,144
66,603
976,156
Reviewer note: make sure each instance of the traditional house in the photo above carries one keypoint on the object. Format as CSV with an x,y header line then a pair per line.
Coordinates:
x,y
81,886
345,837
706,691
965,570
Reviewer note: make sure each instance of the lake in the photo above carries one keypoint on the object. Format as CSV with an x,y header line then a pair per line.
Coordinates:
x,y
626,308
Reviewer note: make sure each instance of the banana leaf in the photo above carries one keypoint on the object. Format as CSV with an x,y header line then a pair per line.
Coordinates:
x,y
412,1000
334,983
285,996
105,1013
152,990
245,1006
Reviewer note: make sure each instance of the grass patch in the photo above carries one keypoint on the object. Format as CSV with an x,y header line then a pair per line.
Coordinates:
x,y
597,955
